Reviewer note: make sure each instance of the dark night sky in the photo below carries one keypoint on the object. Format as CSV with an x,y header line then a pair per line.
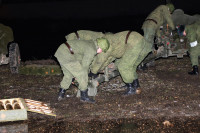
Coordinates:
x,y
39,26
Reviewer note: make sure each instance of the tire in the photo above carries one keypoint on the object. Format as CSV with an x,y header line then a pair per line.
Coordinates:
x,y
14,57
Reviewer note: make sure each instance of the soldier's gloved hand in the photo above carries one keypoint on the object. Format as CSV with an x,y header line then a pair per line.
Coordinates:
x,y
92,75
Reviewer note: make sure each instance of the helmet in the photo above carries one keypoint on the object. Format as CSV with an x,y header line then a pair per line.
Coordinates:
x,y
171,7
103,44
181,29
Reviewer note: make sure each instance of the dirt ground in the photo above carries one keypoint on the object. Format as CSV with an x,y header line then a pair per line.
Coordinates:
x,y
169,102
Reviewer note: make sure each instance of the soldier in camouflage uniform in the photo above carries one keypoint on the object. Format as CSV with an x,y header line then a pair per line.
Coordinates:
x,y
74,57
129,48
6,36
157,18
192,32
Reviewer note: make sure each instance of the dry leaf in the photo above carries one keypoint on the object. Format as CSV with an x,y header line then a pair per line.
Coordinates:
x,y
167,123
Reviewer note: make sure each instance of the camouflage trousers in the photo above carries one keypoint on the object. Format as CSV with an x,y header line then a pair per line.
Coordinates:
x,y
194,55
127,65
71,68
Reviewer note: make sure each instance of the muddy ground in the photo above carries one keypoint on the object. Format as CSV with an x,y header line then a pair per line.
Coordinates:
x,y
169,102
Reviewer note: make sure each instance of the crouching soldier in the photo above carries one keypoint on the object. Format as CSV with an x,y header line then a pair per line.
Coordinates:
x,y
192,32
75,57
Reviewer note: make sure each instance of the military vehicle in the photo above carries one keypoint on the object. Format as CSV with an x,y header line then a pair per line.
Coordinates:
x,y
9,50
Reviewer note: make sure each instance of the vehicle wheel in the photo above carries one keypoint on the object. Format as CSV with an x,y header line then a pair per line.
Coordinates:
x,y
14,57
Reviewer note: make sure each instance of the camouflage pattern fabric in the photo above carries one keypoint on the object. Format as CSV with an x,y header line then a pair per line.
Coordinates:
x,y
6,36
85,35
76,65
129,55
193,34
134,52
161,15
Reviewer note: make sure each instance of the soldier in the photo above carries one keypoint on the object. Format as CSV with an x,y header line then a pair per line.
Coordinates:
x,y
157,18
129,48
192,32
74,57
6,36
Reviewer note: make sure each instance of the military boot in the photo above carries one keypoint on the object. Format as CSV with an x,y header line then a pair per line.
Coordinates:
x,y
85,97
130,89
195,71
61,94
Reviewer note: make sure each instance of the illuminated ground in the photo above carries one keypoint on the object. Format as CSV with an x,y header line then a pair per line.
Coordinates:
x,y
169,102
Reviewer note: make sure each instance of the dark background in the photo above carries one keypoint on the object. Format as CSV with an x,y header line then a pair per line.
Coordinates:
x,y
40,26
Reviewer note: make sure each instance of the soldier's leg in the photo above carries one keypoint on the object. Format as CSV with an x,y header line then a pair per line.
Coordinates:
x,y
65,83
131,59
194,58
79,73
194,54
81,76
126,69
67,78
144,52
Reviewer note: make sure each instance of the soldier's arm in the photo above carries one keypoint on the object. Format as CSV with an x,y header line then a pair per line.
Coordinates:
x,y
98,62
110,59
88,58
168,18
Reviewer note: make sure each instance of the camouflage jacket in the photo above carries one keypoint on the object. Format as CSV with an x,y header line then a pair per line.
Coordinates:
x,y
193,32
84,52
116,49
161,15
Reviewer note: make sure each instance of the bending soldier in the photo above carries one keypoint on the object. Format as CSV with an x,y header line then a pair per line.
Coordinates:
x,y
157,18
74,57
128,49
192,32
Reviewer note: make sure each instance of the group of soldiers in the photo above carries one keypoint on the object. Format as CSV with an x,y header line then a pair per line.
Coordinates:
x,y
87,53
